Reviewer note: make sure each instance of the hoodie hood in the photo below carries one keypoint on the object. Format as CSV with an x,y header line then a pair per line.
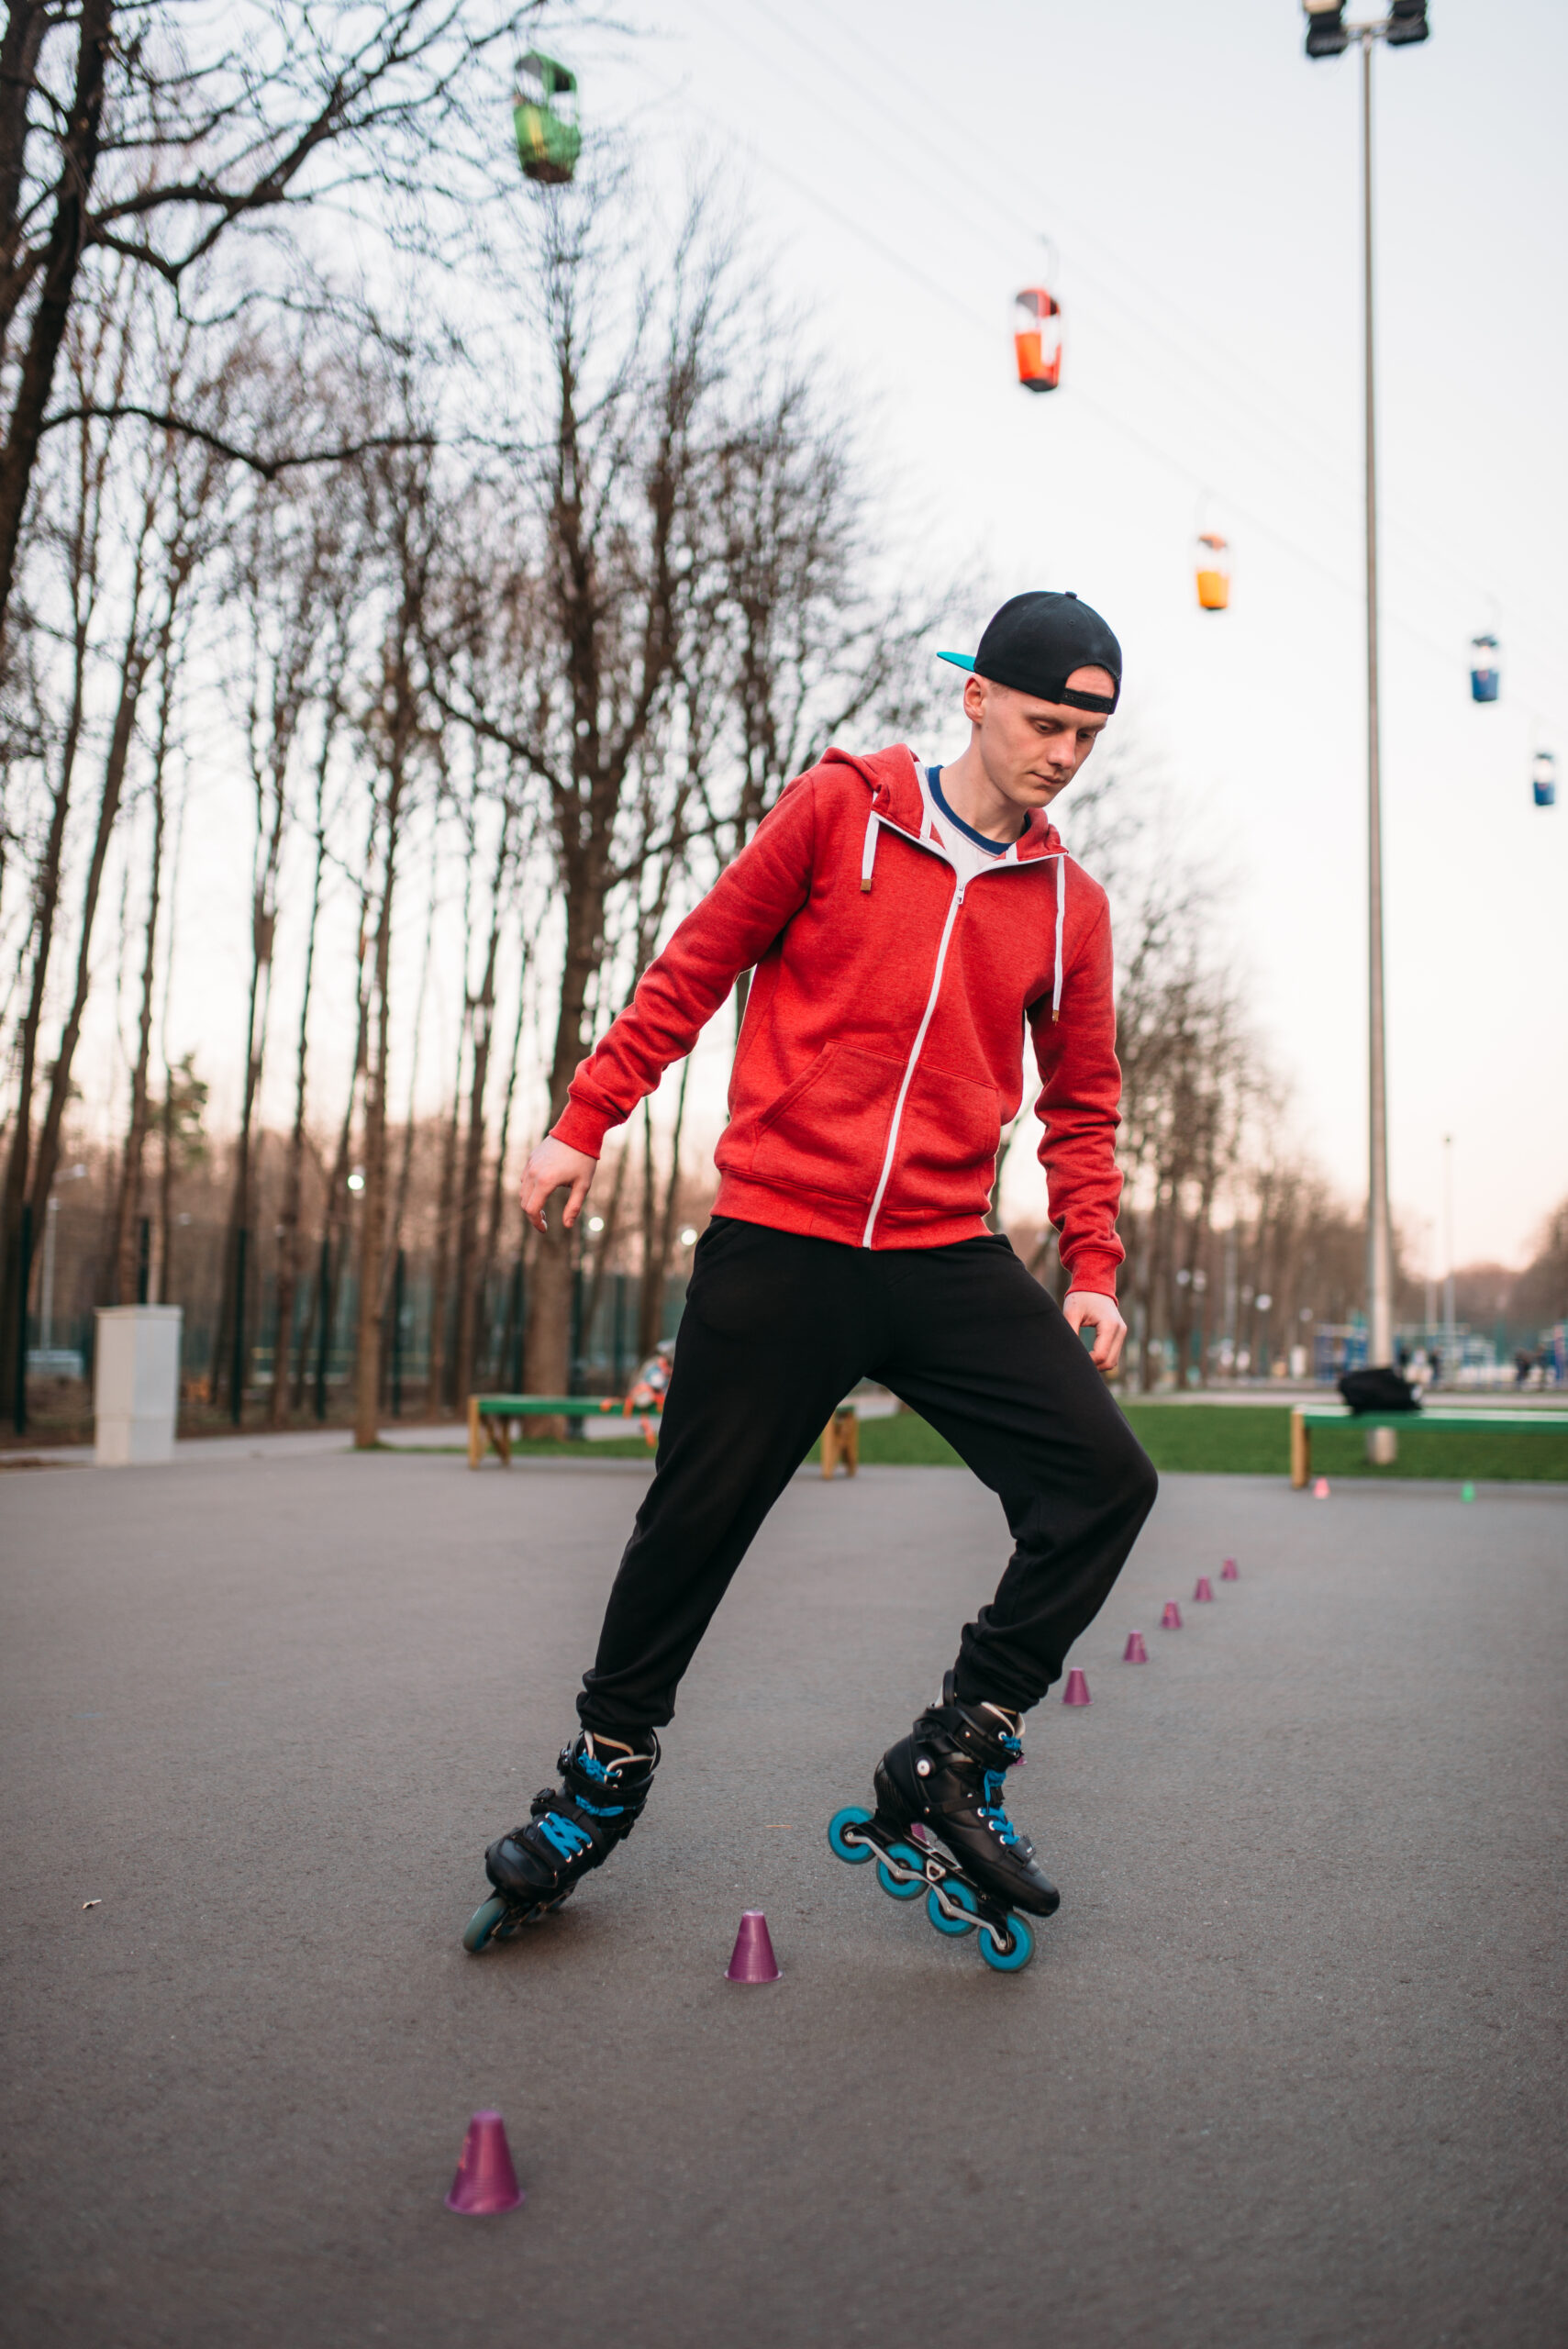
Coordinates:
x,y
894,780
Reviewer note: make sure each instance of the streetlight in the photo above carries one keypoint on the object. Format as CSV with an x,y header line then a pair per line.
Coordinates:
x,y
1327,35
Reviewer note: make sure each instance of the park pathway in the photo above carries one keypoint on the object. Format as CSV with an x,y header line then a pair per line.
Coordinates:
x,y
1287,2068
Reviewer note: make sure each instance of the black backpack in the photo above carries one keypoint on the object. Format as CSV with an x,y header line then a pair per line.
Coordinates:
x,y
1379,1390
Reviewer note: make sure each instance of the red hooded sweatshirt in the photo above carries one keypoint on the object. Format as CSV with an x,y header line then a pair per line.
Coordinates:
x,y
882,1050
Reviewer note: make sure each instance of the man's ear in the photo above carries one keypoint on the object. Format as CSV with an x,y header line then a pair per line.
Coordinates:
x,y
975,690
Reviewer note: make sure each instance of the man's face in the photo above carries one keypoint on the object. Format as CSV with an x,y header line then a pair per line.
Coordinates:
x,y
1031,750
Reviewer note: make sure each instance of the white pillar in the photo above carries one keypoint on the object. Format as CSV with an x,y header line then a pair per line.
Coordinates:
x,y
136,1384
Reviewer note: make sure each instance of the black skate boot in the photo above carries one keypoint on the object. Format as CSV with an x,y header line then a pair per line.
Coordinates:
x,y
570,1829
944,1780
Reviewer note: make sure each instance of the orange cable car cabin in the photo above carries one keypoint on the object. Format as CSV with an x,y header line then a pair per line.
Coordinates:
x,y
1213,571
1037,339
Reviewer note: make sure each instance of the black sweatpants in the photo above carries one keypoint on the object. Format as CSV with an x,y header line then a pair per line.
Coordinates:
x,y
776,1331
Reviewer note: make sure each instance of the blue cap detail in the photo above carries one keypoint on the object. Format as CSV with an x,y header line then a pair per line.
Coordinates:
x,y
959,660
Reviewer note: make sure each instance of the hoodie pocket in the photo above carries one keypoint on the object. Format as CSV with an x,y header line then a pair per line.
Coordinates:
x,y
948,1140
828,1130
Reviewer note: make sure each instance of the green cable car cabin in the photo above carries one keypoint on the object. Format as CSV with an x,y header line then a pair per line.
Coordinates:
x,y
544,111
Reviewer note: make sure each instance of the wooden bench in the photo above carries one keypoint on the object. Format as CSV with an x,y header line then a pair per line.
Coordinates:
x,y
841,1440
1305,1417
490,1418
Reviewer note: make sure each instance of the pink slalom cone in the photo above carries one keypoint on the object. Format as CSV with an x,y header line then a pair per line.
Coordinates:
x,y
752,1959
1135,1651
1172,1619
1320,1489
1230,1571
1205,1591
1077,1689
486,2181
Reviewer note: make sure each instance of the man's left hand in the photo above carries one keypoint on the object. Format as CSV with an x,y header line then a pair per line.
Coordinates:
x,y
1110,1331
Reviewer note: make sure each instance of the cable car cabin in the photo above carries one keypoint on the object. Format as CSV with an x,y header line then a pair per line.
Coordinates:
x,y
544,112
1543,779
1485,677
1213,573
1037,339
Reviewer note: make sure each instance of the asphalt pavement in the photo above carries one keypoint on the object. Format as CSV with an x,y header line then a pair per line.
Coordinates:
x,y
1286,2069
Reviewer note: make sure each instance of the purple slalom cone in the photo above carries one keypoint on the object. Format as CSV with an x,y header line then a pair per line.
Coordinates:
x,y
752,1959
486,2181
1077,1689
1230,1571
1135,1651
1204,1589
1172,1619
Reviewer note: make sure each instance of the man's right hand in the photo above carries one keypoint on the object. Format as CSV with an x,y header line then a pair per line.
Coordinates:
x,y
551,1166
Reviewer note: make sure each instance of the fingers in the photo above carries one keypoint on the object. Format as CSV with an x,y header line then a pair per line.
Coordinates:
x,y
575,1198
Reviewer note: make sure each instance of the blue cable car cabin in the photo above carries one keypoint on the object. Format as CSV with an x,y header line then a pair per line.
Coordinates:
x,y
1543,778
544,114
1486,676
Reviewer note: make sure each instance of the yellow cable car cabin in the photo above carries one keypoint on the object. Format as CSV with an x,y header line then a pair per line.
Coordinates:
x,y
1037,339
1213,571
544,113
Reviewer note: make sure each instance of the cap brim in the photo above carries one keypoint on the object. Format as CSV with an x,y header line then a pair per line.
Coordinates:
x,y
959,660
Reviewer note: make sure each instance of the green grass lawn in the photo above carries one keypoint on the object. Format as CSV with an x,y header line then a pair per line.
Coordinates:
x,y
1222,1439
1209,1439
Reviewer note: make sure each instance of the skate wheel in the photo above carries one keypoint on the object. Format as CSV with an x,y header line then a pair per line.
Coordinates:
x,y
1011,1955
851,1850
960,1893
896,1887
482,1925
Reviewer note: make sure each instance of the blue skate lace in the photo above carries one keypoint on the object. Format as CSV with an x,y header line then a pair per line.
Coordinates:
x,y
991,1810
568,1838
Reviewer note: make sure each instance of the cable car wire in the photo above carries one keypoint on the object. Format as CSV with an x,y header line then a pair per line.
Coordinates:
x,y
900,162
1305,440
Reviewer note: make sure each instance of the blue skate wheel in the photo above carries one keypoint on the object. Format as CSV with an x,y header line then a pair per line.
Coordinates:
x,y
891,1885
854,1852
480,1930
965,1899
1014,1955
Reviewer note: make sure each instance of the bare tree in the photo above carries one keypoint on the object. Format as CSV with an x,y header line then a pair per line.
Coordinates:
x,y
134,132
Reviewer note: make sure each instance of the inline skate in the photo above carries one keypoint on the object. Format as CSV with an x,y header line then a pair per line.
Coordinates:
x,y
944,1781
570,1829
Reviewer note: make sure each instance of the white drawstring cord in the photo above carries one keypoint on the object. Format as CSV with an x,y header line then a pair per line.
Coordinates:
x,y
1060,863
868,856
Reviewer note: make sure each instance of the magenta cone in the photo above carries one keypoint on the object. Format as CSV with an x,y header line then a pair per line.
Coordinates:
x,y
485,2180
1230,1571
1077,1689
1321,1489
1135,1651
753,1959
1172,1619
1205,1591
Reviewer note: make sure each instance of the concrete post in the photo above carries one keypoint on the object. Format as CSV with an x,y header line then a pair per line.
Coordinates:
x,y
136,1384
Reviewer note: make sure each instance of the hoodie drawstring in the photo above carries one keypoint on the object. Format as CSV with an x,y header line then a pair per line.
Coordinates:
x,y
868,858
868,864
1060,863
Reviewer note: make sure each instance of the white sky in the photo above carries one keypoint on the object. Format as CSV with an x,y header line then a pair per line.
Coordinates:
x,y
1199,180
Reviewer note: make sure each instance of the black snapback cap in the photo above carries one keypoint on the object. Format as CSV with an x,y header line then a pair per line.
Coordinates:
x,y
1037,640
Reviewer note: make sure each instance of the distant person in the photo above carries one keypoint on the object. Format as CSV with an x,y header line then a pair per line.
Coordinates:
x,y
879,1059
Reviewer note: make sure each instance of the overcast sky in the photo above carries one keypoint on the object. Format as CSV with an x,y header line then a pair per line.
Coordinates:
x,y
1199,180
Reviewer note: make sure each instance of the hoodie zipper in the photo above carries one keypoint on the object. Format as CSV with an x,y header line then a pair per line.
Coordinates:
x,y
955,903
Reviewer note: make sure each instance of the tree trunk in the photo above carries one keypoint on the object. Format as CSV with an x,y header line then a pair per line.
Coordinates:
x,y
373,1221
62,259
293,1173
126,1249
133,672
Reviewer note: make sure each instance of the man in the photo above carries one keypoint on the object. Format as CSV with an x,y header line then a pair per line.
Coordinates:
x,y
905,926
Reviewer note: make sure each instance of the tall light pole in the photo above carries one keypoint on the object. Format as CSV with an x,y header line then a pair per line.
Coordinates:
x,y
1327,35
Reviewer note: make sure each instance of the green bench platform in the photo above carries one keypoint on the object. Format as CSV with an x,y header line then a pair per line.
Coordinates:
x,y
491,1418
1305,1417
